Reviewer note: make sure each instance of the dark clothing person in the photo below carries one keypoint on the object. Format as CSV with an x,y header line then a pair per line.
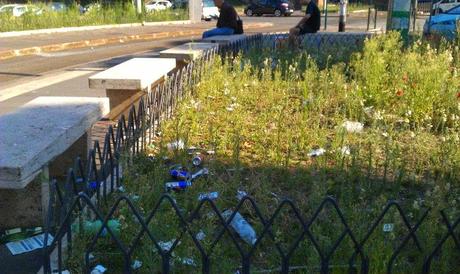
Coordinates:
x,y
228,17
313,23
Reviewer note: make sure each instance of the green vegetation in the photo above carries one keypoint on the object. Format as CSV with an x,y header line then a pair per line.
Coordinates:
x,y
72,17
262,113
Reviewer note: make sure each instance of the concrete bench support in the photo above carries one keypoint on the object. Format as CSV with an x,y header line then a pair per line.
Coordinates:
x,y
40,140
124,81
187,51
225,39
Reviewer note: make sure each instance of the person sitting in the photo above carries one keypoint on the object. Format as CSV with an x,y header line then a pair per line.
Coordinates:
x,y
227,22
310,23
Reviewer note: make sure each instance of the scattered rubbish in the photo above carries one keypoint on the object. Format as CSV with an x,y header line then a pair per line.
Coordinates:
x,y
353,127
197,160
200,173
179,144
316,152
200,235
29,244
17,234
179,173
177,185
191,150
241,226
136,264
79,180
92,185
210,195
61,272
188,261
93,227
91,257
121,189
134,197
210,152
241,194
151,158
388,227
98,269
345,150
166,246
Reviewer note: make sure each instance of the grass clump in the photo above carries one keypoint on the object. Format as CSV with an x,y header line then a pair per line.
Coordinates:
x,y
263,119
98,15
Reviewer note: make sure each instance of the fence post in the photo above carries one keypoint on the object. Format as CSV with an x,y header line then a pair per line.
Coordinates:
x,y
245,268
342,15
368,18
165,263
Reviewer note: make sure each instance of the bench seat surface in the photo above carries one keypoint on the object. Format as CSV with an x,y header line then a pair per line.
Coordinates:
x,y
42,129
134,74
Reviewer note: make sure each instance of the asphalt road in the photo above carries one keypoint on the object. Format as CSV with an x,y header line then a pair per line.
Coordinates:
x,y
65,73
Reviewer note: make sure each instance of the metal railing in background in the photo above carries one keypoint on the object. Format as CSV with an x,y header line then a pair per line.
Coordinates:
x,y
372,18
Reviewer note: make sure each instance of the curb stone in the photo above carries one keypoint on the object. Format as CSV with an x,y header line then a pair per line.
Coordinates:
x,y
87,28
106,41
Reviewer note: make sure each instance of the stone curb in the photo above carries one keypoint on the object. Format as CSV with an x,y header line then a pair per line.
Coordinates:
x,y
87,28
105,41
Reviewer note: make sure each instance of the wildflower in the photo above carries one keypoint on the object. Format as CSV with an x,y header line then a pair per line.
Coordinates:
x,y
458,95
399,93
405,78
353,127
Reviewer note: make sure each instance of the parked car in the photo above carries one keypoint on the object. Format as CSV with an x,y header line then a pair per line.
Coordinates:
x,y
275,7
157,5
17,10
57,6
444,24
444,5
210,11
179,4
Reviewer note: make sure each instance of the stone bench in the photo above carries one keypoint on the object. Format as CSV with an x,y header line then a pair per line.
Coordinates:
x,y
136,76
39,140
225,39
187,51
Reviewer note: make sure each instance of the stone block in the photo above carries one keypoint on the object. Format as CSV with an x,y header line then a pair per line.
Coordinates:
x,y
187,51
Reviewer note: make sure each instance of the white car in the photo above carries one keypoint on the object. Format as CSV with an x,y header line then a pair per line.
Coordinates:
x,y
210,11
157,5
15,10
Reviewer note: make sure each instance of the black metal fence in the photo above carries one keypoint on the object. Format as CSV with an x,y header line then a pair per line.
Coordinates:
x,y
90,182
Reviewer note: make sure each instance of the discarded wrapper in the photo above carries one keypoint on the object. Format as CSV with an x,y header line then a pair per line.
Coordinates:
x,y
136,265
197,160
200,235
98,269
179,144
316,152
166,246
241,194
353,127
210,195
188,261
345,150
29,244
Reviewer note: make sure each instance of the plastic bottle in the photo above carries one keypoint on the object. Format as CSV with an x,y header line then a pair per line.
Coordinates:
x,y
93,227
241,226
177,185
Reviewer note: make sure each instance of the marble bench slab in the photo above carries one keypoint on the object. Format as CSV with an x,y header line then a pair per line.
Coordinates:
x,y
187,51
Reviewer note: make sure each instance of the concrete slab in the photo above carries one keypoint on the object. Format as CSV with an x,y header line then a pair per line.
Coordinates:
x,y
187,51
39,131
134,74
224,39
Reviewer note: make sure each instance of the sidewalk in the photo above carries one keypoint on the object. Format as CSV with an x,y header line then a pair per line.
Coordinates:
x,y
47,42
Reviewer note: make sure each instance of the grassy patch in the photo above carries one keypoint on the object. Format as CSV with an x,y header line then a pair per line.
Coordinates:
x,y
265,112
96,16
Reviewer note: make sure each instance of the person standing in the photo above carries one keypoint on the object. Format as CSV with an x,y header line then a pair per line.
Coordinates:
x,y
227,22
310,23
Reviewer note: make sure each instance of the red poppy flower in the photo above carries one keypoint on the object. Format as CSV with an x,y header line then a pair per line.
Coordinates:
x,y
405,78
458,95
399,93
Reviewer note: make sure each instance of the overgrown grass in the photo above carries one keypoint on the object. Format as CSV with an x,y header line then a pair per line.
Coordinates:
x,y
262,118
72,17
